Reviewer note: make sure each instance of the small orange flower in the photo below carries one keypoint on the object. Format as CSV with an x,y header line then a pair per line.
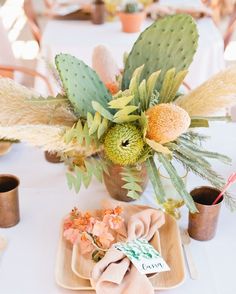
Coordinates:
x,y
74,212
113,221
84,237
68,223
71,235
118,210
106,239
108,211
102,226
112,87
86,245
87,214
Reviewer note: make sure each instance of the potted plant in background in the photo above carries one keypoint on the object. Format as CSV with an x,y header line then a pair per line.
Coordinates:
x,y
132,17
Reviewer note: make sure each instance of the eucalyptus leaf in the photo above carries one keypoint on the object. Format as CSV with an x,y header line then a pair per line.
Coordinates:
x,y
125,111
126,118
132,186
151,82
167,85
178,183
102,128
143,96
143,121
95,124
104,112
120,103
155,180
158,147
178,80
199,123
134,195
89,119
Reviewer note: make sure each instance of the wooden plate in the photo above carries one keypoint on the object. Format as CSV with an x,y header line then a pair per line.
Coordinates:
x,y
171,250
64,275
81,266
173,254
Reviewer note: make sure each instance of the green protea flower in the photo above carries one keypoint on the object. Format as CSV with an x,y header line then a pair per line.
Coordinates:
x,y
123,144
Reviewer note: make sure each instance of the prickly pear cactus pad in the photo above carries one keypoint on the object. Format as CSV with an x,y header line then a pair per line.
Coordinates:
x,y
168,43
81,84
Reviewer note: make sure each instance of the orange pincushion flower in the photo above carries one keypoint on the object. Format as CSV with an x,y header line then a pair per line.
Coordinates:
x,y
166,122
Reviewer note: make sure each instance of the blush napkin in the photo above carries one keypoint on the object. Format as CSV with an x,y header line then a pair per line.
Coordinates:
x,y
115,273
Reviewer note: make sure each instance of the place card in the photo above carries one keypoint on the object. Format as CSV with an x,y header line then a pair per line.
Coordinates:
x,y
143,255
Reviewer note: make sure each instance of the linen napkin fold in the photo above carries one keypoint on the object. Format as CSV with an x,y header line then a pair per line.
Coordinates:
x,y
115,274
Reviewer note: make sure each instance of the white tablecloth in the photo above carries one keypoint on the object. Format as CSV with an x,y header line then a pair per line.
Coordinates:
x,y
28,264
80,37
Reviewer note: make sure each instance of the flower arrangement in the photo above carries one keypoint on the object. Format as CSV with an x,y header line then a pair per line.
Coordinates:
x,y
94,233
127,119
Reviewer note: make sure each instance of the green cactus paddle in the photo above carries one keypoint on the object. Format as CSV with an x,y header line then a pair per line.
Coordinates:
x,y
170,42
81,84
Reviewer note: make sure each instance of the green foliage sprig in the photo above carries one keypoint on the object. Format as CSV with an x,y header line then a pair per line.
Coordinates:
x,y
80,133
131,176
83,174
155,180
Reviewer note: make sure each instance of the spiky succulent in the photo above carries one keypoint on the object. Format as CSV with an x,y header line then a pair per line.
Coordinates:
x,y
123,144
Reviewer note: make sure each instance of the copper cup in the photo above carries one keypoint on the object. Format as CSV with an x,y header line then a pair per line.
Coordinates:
x,y
9,203
202,225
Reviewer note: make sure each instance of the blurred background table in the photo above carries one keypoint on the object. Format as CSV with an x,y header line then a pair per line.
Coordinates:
x,y
79,38
28,264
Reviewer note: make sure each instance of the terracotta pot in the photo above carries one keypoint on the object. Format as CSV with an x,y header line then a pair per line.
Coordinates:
x,y
52,157
131,22
202,225
114,182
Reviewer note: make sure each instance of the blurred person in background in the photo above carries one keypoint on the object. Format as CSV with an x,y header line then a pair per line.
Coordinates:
x,y
221,8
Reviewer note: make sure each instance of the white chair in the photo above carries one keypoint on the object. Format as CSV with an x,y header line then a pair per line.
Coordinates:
x,y
9,65
6,54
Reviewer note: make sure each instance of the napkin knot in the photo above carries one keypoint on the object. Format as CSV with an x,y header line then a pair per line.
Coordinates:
x,y
115,273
